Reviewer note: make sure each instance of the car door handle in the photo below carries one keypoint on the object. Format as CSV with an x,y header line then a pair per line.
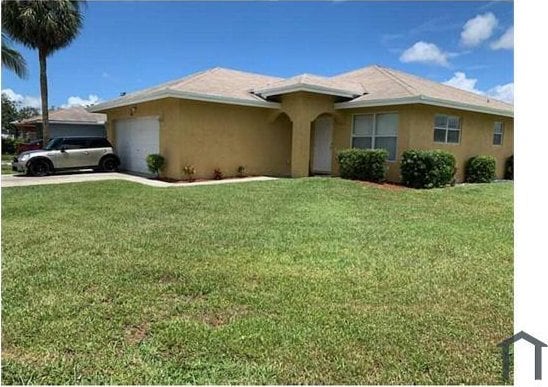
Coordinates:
x,y
86,153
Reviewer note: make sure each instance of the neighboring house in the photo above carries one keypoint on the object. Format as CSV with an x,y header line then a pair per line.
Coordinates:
x,y
223,118
73,121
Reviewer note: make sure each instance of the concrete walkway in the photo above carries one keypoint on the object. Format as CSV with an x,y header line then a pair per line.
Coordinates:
x,y
79,177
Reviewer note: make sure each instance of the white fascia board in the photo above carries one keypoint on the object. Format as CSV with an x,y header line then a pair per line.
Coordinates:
x,y
465,106
222,99
182,95
377,102
308,88
60,122
426,101
77,122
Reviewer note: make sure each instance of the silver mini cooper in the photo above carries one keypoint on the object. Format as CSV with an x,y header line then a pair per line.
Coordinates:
x,y
66,153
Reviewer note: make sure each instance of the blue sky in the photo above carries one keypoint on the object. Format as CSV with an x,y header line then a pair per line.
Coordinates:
x,y
126,46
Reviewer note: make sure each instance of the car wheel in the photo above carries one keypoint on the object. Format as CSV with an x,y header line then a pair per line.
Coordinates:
x,y
109,164
39,168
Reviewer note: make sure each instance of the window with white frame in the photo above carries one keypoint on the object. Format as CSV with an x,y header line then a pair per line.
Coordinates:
x,y
376,131
446,129
497,133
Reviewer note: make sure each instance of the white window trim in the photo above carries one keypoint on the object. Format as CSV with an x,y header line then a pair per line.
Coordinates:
x,y
447,129
374,131
501,133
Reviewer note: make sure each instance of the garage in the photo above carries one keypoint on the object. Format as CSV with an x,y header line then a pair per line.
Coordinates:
x,y
136,138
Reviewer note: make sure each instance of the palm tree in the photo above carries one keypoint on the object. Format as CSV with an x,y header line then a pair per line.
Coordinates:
x,y
46,26
13,60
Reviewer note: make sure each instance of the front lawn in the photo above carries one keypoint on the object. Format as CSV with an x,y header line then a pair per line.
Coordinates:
x,y
6,168
291,281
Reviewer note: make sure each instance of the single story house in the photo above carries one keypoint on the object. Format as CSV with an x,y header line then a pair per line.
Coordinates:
x,y
222,118
73,121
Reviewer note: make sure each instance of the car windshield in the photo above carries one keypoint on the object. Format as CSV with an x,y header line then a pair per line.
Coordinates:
x,y
53,144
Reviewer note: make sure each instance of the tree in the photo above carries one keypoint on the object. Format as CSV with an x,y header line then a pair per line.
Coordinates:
x,y
10,113
28,112
46,26
13,60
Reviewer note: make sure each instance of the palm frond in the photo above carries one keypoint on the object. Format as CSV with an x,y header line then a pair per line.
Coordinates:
x,y
48,25
13,60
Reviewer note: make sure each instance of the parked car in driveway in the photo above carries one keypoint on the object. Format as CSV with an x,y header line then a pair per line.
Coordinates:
x,y
68,153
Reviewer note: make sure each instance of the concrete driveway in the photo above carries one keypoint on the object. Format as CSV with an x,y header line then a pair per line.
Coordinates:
x,y
79,177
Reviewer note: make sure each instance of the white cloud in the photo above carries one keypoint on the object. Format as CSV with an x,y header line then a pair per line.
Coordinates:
x,y
505,42
424,52
79,101
23,100
501,92
460,81
478,29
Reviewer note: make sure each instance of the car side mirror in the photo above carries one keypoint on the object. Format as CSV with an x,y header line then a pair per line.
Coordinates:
x,y
63,149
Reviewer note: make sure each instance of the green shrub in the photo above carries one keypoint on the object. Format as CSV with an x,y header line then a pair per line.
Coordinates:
x,y
155,163
509,168
427,168
480,169
241,171
363,164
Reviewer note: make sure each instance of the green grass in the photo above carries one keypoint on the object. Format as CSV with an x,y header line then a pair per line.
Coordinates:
x,y
291,281
6,169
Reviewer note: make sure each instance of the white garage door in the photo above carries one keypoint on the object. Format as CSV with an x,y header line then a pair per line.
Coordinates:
x,y
136,138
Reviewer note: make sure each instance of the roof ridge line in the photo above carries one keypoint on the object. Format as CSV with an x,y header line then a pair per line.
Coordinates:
x,y
193,77
485,97
247,72
405,85
165,84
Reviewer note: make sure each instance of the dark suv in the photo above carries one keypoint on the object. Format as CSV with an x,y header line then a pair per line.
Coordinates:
x,y
65,153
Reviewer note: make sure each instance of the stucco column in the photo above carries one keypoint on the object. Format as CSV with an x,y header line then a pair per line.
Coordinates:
x,y
300,148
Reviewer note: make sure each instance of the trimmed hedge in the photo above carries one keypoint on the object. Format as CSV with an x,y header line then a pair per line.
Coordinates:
x,y
509,168
363,164
480,169
427,168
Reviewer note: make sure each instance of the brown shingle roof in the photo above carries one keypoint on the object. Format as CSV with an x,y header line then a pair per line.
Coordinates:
x,y
76,114
363,87
313,83
384,83
217,82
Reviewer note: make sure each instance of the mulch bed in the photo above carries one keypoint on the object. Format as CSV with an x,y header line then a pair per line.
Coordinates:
x,y
170,180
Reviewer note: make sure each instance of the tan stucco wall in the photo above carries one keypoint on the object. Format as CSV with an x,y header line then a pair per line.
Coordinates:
x,y
303,108
278,142
211,135
416,131
476,136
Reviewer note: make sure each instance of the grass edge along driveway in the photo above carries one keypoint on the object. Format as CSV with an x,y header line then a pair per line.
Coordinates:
x,y
315,280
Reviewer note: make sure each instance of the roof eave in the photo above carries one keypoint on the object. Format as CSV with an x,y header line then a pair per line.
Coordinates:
x,y
426,101
60,122
181,95
269,92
